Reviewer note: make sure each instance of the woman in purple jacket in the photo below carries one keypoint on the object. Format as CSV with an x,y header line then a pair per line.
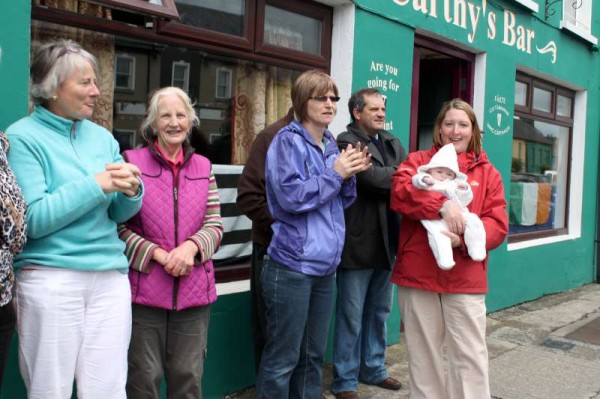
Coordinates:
x,y
169,244
309,183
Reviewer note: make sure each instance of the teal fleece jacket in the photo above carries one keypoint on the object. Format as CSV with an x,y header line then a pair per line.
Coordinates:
x,y
72,224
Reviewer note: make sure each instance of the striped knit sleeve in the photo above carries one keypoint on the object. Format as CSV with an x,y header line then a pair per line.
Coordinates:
x,y
208,238
138,250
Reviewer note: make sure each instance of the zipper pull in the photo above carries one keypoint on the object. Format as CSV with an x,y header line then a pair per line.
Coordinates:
x,y
175,193
74,131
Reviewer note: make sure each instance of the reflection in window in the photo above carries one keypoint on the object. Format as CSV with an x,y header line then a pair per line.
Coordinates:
x,y
542,100
181,75
124,72
538,185
223,84
291,30
218,15
540,166
520,93
564,106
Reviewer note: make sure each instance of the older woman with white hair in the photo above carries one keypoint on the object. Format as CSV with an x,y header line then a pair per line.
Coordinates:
x,y
72,295
170,245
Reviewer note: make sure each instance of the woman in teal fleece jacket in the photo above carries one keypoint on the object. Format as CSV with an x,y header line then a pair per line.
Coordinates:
x,y
72,295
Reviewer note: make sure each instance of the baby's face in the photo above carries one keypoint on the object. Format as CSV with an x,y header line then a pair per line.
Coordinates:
x,y
441,174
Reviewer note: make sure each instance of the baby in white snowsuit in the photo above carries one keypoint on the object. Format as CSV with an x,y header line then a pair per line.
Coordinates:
x,y
441,175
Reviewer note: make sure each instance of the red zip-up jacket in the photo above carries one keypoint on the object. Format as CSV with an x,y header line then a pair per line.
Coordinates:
x,y
415,265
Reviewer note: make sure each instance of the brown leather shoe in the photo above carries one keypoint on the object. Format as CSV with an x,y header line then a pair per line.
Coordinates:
x,y
390,383
347,395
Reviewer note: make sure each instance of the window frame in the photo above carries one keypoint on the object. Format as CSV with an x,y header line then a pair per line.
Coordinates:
x,y
550,118
204,41
186,78
582,26
131,80
167,10
244,42
537,84
312,10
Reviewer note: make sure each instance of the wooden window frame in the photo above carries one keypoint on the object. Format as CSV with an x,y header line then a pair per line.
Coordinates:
x,y
569,94
552,118
244,42
169,32
527,107
167,10
312,10
546,87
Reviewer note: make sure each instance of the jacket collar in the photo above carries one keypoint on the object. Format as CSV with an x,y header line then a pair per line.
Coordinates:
x,y
188,151
299,128
56,123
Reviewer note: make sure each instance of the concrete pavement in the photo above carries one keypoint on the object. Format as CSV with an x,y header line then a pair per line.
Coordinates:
x,y
547,349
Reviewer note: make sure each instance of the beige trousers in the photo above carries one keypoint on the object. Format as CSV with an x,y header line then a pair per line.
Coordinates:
x,y
445,337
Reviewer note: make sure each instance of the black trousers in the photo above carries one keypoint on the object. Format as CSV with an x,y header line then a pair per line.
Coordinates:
x,y
257,304
7,329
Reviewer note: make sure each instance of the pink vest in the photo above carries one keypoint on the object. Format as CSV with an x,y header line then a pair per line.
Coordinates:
x,y
171,212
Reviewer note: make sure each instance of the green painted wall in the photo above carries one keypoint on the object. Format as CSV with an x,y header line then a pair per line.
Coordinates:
x,y
14,46
510,40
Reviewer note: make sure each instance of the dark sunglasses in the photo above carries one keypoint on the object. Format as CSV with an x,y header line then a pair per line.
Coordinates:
x,y
322,99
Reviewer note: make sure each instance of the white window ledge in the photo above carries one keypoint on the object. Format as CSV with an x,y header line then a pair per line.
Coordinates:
x,y
540,241
584,34
532,5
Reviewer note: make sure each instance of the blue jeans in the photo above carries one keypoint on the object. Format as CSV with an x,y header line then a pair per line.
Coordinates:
x,y
364,302
298,309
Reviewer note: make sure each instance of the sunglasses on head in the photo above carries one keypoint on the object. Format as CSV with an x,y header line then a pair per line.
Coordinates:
x,y
333,99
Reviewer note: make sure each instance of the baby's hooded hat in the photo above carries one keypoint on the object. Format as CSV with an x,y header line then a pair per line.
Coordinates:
x,y
444,158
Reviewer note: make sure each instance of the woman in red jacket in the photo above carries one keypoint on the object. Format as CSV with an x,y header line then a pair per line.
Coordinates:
x,y
446,308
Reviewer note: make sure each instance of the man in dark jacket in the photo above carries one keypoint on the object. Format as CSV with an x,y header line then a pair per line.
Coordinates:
x,y
252,201
364,291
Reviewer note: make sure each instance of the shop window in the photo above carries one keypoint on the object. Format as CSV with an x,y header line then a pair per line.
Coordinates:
x,y
577,18
238,89
180,75
124,72
540,168
223,84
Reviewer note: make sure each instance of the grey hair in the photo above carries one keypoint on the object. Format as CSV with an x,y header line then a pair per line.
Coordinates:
x,y
152,111
357,99
53,63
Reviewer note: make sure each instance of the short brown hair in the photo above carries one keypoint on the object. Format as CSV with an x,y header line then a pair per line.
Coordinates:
x,y
309,84
457,103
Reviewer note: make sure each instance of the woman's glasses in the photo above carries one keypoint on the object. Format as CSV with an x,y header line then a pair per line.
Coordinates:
x,y
322,99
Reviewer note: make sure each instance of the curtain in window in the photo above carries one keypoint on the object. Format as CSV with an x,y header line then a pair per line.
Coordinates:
x,y
262,97
100,45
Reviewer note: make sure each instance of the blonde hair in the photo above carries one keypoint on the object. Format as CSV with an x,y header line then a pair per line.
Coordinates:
x,y
457,103
152,111
309,84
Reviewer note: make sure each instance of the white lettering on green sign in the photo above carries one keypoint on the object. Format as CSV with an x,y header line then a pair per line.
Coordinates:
x,y
467,15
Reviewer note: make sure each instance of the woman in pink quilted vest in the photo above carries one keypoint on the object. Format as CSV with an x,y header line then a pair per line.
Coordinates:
x,y
169,244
